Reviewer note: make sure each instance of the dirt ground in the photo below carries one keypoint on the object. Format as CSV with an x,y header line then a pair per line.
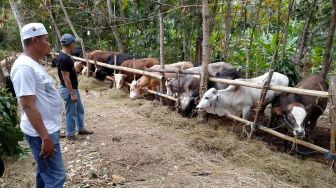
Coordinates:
x,y
138,143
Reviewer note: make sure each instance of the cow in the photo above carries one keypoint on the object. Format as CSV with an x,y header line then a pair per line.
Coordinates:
x,y
100,55
189,85
300,112
140,64
102,72
238,100
144,83
79,66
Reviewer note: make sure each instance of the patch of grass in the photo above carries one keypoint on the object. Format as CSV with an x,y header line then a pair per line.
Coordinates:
x,y
89,83
117,94
257,155
214,137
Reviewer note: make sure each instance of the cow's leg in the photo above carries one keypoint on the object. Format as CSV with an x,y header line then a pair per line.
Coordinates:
x,y
310,130
246,112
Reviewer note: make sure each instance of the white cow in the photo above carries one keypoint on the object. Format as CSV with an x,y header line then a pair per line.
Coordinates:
x,y
239,99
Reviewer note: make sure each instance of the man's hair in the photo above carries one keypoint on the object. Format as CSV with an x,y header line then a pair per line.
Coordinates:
x,y
28,41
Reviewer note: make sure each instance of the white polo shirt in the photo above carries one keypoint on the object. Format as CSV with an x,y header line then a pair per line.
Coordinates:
x,y
30,78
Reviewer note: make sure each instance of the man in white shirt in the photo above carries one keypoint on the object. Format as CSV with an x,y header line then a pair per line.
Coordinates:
x,y
41,106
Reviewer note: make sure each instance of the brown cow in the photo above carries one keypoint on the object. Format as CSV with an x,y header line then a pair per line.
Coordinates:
x,y
140,64
100,55
139,87
300,111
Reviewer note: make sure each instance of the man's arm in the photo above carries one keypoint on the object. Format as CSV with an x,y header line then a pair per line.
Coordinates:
x,y
35,119
68,85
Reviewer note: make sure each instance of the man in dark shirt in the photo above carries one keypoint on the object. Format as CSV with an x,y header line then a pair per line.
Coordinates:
x,y
74,117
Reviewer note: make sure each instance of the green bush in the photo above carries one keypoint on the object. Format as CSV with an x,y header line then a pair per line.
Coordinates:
x,y
10,133
287,68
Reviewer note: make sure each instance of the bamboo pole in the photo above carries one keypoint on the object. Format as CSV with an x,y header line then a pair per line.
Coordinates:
x,y
332,113
205,55
161,25
115,71
142,72
159,94
261,102
272,87
280,135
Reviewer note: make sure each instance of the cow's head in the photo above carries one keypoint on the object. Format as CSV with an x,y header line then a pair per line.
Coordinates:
x,y
119,80
136,91
294,115
79,66
208,99
187,104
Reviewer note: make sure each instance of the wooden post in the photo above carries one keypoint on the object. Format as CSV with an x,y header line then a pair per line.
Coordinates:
x,y
332,113
2,77
206,53
260,105
178,91
161,46
114,71
134,76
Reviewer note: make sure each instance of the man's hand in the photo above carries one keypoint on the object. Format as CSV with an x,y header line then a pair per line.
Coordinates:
x,y
73,97
47,148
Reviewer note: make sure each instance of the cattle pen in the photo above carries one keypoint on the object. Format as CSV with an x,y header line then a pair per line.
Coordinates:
x,y
329,154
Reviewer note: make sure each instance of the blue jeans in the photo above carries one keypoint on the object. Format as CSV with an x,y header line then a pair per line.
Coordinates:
x,y
50,172
74,112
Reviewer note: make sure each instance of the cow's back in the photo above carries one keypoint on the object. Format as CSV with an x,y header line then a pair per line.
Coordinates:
x,y
315,104
100,56
213,68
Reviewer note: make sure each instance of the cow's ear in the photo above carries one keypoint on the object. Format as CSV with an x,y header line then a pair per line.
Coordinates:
x,y
277,110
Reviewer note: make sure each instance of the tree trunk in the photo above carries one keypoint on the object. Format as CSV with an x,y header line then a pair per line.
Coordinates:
x,y
135,4
206,52
113,28
16,13
122,15
302,41
227,30
290,7
198,54
52,20
76,35
161,45
326,55
244,3
275,55
212,16
251,39
304,37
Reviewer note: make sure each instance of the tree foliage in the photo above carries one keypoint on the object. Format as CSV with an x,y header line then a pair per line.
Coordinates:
x,y
138,27
10,133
